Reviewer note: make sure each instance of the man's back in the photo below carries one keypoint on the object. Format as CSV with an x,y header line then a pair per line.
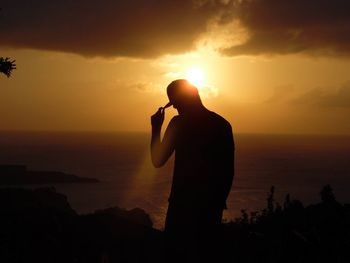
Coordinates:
x,y
204,158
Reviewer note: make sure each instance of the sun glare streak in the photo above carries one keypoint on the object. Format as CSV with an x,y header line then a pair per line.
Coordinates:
x,y
146,189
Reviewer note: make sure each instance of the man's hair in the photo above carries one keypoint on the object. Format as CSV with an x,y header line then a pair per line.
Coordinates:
x,y
182,90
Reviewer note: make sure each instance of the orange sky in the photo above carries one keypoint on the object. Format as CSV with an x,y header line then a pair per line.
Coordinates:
x,y
298,86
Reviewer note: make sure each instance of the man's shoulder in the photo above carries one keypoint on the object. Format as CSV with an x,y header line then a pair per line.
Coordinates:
x,y
219,119
174,122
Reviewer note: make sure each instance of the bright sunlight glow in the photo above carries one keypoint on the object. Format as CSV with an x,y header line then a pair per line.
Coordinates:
x,y
195,76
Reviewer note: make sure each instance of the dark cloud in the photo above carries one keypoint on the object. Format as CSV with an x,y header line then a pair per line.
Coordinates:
x,y
319,27
322,98
132,28
150,28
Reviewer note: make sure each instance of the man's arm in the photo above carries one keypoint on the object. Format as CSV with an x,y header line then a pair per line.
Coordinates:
x,y
161,150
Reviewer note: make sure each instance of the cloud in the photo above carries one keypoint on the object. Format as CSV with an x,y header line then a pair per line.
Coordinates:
x,y
151,28
315,27
323,98
129,28
209,92
281,94
147,87
320,97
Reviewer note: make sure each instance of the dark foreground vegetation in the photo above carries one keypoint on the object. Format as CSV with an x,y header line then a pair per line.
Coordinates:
x,y
40,226
7,65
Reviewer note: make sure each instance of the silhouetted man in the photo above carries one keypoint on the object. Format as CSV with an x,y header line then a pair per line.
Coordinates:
x,y
204,162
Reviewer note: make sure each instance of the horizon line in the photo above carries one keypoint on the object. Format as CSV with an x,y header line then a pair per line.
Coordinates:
x,y
148,132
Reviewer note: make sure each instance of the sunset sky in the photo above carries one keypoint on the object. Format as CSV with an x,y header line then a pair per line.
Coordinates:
x,y
267,66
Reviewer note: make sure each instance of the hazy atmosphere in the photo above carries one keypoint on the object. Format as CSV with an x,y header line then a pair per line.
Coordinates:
x,y
267,66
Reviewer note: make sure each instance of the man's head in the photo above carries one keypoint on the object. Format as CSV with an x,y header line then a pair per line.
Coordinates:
x,y
183,95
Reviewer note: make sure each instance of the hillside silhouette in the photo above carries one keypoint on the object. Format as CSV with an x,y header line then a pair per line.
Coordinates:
x,y
40,226
20,175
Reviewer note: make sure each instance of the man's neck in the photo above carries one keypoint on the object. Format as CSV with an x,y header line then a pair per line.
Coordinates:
x,y
194,110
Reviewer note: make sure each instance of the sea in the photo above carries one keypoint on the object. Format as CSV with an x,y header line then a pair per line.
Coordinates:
x,y
299,165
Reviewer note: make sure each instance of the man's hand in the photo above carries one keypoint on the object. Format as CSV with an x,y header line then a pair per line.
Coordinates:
x,y
157,119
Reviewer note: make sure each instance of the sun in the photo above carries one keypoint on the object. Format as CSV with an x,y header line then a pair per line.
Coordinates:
x,y
195,75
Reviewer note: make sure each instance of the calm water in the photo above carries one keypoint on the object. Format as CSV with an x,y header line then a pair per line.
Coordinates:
x,y
299,165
